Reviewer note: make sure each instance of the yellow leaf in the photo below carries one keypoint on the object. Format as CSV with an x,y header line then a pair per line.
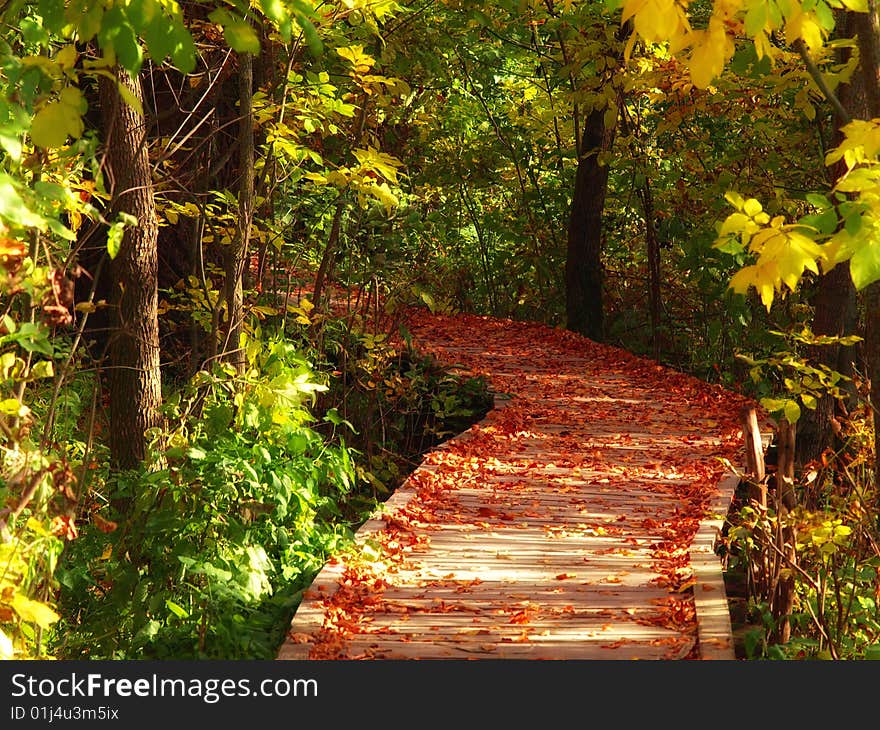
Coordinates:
x,y
361,61
735,199
384,164
48,128
742,279
66,57
763,47
735,223
6,649
752,207
655,20
839,249
58,119
804,26
34,611
712,48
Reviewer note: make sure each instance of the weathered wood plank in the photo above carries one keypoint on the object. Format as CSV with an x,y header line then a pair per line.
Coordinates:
x,y
560,527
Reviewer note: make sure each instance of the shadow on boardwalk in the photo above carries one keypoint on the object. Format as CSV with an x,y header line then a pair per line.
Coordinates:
x,y
559,527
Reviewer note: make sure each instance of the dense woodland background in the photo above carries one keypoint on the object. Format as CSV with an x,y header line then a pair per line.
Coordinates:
x,y
213,216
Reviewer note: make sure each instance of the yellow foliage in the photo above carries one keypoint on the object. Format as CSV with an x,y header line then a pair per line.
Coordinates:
x,y
34,611
804,26
712,49
784,252
656,20
57,119
861,143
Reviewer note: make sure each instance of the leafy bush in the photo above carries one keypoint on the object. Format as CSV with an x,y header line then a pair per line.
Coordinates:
x,y
200,553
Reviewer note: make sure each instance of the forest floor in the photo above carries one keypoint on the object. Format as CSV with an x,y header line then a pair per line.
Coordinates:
x,y
559,527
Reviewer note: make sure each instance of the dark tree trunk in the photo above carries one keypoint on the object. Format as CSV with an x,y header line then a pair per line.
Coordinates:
x,y
135,380
655,302
872,362
583,265
867,26
834,314
328,260
237,253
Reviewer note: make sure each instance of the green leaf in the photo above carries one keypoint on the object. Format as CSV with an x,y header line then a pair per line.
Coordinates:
x,y
33,32
160,43
773,404
241,37
13,207
239,34
872,652
43,369
729,244
865,264
853,223
756,19
60,230
313,40
52,13
32,337
10,141
276,11
115,234
819,202
116,34
184,52
175,609
792,411
809,401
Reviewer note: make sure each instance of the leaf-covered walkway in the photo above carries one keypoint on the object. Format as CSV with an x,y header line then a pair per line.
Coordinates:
x,y
559,527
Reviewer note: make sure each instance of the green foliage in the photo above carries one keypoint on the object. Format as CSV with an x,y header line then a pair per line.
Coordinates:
x,y
201,553
801,382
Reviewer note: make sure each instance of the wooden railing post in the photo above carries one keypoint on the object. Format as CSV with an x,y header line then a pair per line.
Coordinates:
x,y
755,467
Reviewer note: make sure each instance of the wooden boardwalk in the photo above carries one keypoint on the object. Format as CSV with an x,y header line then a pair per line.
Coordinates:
x,y
573,522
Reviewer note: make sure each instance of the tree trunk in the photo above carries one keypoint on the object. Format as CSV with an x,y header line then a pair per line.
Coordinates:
x,y
135,379
834,314
655,302
872,361
867,28
583,265
328,260
236,254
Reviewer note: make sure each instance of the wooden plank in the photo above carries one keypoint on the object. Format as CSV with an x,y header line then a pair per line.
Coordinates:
x,y
521,529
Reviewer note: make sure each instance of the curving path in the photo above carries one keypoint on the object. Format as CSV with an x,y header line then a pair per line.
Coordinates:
x,y
574,522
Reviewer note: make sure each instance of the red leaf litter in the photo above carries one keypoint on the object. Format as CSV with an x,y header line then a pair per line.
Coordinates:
x,y
558,527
